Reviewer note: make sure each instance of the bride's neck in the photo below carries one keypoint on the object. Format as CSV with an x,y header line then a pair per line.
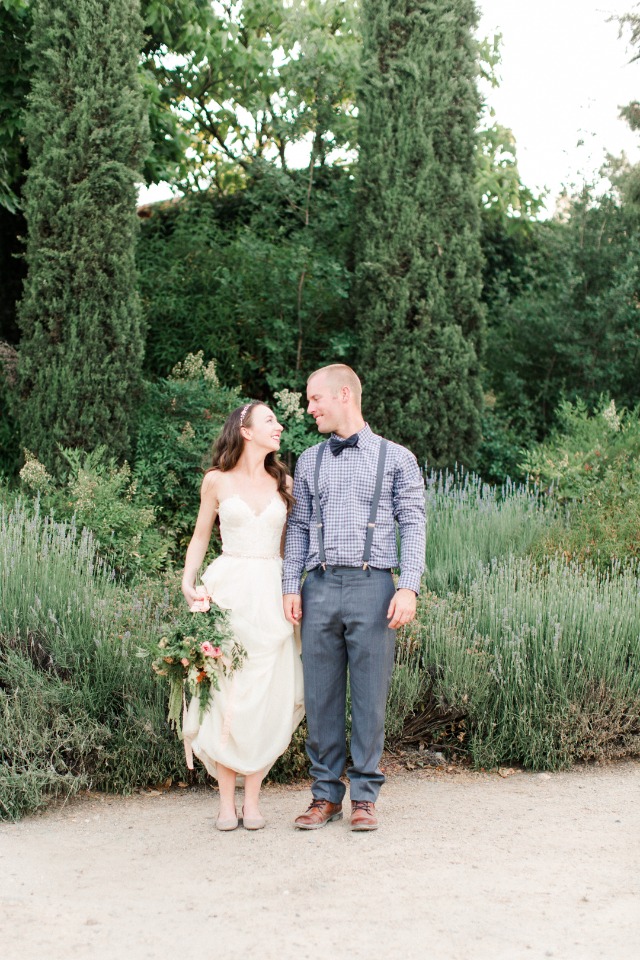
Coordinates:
x,y
251,463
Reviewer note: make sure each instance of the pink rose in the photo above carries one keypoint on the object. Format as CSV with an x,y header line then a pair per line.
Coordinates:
x,y
201,605
208,649
184,662
217,652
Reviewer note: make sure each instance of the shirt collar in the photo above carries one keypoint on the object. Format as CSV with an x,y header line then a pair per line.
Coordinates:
x,y
365,436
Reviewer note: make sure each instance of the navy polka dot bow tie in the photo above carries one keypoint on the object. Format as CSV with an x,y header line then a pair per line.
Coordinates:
x,y
337,446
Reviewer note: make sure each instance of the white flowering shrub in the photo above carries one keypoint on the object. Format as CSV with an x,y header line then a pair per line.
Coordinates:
x,y
193,367
299,430
34,474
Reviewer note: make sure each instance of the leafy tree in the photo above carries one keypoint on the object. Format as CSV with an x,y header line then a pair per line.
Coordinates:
x,y
563,319
264,80
15,68
172,28
252,280
500,186
81,348
418,305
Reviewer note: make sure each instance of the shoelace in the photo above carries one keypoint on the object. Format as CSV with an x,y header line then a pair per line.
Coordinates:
x,y
362,805
316,803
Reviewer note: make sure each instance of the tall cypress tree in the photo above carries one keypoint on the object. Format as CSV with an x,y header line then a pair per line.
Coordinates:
x,y
86,128
419,315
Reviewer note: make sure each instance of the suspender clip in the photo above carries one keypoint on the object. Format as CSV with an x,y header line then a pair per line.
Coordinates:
x,y
372,525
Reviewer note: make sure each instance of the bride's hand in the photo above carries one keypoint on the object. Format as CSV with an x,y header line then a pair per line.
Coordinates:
x,y
292,608
190,593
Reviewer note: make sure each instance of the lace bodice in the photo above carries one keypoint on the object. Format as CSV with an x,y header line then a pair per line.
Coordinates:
x,y
247,534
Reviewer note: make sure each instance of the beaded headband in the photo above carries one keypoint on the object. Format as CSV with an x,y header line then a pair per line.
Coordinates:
x,y
244,413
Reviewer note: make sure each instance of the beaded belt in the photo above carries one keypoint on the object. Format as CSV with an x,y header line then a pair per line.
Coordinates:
x,y
249,556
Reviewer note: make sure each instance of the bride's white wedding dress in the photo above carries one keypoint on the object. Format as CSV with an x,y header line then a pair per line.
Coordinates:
x,y
250,722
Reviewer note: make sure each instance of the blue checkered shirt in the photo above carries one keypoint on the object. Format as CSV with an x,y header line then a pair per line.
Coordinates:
x,y
346,490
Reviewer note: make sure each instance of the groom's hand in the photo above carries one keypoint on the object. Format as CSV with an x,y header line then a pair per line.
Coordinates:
x,y
402,608
292,607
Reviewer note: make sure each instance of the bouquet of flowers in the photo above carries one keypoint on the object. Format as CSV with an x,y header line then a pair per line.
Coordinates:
x,y
199,648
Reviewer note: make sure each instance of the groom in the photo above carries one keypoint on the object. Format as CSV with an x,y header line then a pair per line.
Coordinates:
x,y
349,493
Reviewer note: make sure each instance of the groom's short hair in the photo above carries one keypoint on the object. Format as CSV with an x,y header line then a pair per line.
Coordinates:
x,y
340,375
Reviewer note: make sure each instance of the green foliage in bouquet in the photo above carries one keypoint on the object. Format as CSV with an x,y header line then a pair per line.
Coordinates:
x,y
193,655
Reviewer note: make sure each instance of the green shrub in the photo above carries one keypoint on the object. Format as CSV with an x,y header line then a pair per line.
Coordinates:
x,y
9,433
591,464
470,523
251,279
77,707
294,763
102,497
178,422
542,658
498,457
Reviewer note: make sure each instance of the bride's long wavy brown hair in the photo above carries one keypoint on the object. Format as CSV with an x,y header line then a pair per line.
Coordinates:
x,y
228,447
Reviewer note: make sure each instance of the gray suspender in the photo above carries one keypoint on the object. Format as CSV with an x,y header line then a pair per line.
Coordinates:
x,y
382,455
316,501
371,525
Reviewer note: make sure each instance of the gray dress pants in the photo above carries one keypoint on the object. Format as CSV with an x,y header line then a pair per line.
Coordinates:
x,y
344,625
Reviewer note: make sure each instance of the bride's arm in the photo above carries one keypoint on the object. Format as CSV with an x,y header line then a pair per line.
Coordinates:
x,y
197,548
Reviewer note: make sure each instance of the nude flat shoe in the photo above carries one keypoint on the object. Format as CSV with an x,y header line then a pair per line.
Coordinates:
x,y
255,823
231,823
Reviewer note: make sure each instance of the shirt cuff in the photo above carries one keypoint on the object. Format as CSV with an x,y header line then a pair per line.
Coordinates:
x,y
291,585
409,581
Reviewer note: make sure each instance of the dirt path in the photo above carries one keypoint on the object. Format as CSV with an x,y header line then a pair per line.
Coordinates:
x,y
465,867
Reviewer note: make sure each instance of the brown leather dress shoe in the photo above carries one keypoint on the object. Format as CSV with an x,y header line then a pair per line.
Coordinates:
x,y
363,815
320,813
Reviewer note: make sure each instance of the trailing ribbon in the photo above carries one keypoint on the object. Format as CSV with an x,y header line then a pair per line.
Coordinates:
x,y
188,752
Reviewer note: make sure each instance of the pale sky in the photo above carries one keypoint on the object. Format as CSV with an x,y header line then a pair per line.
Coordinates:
x,y
564,74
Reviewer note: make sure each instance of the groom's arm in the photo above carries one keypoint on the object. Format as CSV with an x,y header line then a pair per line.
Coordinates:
x,y
296,548
409,511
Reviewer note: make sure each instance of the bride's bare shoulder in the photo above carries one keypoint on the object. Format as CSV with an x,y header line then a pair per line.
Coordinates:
x,y
211,483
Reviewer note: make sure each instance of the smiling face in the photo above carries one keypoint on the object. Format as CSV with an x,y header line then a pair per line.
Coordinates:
x,y
325,404
263,428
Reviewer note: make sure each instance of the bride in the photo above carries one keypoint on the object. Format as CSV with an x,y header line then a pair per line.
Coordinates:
x,y
251,719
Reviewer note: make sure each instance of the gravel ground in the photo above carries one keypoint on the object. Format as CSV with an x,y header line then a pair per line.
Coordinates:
x,y
465,866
